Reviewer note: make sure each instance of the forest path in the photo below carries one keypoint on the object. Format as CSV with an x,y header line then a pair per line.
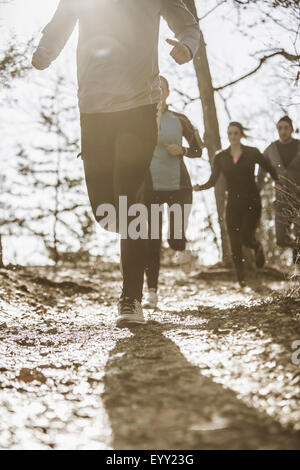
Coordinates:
x,y
212,368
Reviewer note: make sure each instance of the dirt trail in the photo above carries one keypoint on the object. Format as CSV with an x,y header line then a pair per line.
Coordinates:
x,y
212,368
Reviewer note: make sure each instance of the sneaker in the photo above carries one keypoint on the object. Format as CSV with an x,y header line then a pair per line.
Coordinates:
x,y
151,299
130,312
259,257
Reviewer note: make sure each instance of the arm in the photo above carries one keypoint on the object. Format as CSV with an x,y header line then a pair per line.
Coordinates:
x,y
262,173
216,170
182,23
191,134
265,166
56,34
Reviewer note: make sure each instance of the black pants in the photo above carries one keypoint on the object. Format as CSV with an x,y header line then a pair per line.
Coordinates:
x,y
283,222
117,149
176,241
242,218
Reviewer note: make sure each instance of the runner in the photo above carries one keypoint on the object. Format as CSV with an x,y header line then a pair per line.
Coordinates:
x,y
243,209
168,182
119,90
284,155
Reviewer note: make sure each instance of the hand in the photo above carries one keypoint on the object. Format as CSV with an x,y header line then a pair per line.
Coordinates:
x,y
196,187
180,53
174,149
41,59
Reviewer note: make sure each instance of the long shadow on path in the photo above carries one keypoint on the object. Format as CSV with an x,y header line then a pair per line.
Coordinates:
x,y
276,320
155,399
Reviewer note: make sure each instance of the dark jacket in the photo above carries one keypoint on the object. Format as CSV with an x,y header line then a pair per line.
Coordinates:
x,y
289,177
240,176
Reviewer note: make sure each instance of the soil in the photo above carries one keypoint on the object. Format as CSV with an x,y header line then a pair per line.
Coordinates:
x,y
211,369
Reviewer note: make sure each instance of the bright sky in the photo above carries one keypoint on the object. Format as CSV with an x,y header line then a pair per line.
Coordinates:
x,y
257,101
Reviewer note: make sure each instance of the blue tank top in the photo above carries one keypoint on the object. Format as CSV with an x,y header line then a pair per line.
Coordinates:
x,y
165,168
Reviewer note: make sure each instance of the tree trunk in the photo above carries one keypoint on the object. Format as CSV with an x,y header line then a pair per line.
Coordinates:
x,y
212,138
1,253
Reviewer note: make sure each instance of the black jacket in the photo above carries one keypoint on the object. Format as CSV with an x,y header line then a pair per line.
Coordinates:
x,y
240,176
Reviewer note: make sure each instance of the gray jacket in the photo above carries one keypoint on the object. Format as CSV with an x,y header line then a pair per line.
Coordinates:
x,y
117,54
289,177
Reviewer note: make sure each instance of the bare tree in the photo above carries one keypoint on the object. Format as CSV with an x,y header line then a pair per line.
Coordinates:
x,y
212,138
208,90
13,65
13,62
61,216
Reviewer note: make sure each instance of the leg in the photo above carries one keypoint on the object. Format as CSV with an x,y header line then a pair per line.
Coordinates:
x,y
282,226
134,147
250,222
153,263
234,223
184,199
153,249
251,218
97,140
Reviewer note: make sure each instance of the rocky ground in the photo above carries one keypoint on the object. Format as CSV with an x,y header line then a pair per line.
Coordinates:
x,y
212,369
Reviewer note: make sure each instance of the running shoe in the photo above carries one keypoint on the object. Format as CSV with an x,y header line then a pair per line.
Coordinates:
x,y
259,256
151,299
130,312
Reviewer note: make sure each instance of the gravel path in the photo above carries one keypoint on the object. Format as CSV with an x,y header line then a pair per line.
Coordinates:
x,y
212,369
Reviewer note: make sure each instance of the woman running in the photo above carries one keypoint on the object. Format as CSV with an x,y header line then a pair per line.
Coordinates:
x,y
243,209
168,182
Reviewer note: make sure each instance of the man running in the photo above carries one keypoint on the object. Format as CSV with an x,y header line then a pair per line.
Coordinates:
x,y
284,155
119,89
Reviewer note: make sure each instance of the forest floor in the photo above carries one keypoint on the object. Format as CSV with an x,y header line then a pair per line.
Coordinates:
x,y
212,369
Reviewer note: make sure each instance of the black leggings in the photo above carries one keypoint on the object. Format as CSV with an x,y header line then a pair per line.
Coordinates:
x,y
117,149
242,218
181,197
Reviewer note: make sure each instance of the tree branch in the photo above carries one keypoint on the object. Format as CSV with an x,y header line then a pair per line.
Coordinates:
x,y
283,53
212,10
